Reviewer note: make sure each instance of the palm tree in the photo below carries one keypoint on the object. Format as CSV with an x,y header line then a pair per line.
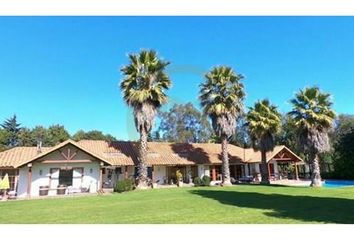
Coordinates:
x,y
313,117
263,122
143,89
221,97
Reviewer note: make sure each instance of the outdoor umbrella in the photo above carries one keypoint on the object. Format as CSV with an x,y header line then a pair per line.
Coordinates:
x,y
5,183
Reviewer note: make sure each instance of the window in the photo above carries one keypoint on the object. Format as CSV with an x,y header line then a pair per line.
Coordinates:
x,y
66,177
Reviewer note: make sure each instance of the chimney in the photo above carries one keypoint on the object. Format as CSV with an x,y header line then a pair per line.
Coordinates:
x,y
39,146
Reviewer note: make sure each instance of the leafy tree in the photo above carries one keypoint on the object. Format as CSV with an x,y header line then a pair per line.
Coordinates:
x,y
313,117
80,135
241,137
154,136
12,127
93,135
3,139
288,134
40,134
57,134
26,138
221,97
184,123
264,122
344,155
343,125
143,89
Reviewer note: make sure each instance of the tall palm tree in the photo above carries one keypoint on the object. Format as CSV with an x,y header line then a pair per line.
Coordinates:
x,y
221,97
263,121
143,89
313,118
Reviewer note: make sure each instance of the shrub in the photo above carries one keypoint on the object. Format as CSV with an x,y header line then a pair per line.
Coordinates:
x,y
124,186
197,182
206,180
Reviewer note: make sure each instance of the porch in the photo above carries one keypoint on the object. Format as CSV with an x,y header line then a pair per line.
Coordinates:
x,y
285,166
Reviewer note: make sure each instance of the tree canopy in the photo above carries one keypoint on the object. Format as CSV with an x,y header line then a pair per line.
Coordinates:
x,y
344,155
92,135
264,122
143,87
183,123
313,116
12,135
221,97
12,127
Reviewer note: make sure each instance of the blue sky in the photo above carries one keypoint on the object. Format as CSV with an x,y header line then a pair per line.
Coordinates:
x,y
66,69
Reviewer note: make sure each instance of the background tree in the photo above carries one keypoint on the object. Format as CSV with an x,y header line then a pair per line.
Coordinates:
x,y
12,127
154,136
313,118
264,122
288,135
143,89
57,134
241,137
343,124
184,123
40,134
221,97
344,155
3,139
26,138
93,135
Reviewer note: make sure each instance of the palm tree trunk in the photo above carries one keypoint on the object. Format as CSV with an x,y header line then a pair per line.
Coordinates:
x,y
316,174
264,168
225,163
142,165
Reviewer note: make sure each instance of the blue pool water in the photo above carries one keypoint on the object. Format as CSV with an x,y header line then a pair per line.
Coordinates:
x,y
338,183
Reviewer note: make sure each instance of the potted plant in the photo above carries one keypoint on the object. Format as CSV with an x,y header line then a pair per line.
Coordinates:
x,y
43,190
179,178
61,189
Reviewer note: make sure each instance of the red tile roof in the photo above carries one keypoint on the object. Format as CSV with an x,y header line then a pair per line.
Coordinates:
x,y
122,153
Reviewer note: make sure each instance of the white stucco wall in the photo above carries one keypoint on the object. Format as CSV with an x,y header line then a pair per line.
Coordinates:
x,y
41,175
89,179
22,182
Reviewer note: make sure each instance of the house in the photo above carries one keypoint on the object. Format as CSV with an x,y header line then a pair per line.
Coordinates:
x,y
90,166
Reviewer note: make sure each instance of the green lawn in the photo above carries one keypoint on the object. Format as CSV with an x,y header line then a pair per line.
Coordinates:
x,y
237,204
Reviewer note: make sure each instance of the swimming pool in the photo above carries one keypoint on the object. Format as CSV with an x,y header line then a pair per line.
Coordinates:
x,y
338,183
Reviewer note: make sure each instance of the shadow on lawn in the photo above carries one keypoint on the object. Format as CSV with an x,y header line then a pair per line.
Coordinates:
x,y
305,208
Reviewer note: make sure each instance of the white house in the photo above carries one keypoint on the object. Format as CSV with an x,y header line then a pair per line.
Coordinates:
x,y
91,166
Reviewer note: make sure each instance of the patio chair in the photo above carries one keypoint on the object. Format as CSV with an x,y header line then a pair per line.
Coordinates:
x,y
85,189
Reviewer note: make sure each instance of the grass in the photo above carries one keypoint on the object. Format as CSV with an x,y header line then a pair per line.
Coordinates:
x,y
237,204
